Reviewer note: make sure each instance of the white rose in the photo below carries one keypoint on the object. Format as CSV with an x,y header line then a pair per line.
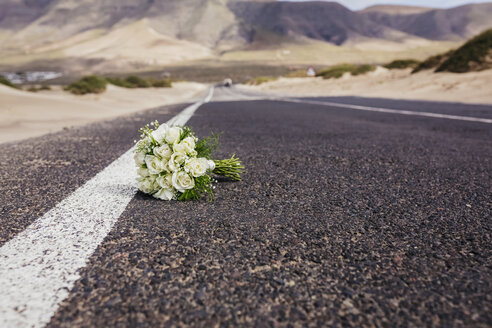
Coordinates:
x,y
182,181
165,194
147,185
176,160
211,165
143,172
173,134
163,151
186,146
197,166
159,134
179,148
139,158
165,181
155,165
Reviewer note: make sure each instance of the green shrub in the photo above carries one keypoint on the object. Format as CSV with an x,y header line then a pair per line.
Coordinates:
x,y
402,64
363,69
120,82
5,81
166,83
261,79
138,82
88,84
471,56
432,62
337,71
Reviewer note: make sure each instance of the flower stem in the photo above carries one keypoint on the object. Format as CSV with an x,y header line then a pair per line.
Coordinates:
x,y
229,168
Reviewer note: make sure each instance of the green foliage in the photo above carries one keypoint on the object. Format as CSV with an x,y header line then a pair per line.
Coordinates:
x,y
206,146
261,79
432,62
363,69
122,83
336,72
187,131
87,84
166,83
402,64
133,82
138,82
472,56
5,81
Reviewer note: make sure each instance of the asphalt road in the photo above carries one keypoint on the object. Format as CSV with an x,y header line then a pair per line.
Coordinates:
x,y
344,217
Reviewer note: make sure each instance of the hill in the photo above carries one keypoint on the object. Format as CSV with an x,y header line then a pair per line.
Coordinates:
x,y
475,55
396,9
325,21
110,34
453,24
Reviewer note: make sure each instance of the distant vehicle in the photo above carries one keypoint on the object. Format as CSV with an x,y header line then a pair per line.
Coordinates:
x,y
227,83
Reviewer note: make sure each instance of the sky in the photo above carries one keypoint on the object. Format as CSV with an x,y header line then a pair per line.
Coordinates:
x,y
361,4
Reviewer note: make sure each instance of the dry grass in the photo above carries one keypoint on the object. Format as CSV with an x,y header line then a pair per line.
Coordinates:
x,y
262,79
322,53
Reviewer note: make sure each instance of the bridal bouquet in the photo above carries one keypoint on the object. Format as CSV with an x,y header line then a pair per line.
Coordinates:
x,y
175,165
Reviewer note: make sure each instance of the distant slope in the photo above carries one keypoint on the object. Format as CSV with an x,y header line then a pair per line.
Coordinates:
x,y
217,24
226,24
475,55
16,14
396,9
153,32
325,21
208,22
123,46
440,24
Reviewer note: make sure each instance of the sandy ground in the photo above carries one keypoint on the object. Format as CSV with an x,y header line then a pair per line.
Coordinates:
x,y
24,114
399,84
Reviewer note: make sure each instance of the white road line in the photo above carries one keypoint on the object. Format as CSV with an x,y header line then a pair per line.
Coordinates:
x,y
370,109
39,266
210,95
386,110
185,115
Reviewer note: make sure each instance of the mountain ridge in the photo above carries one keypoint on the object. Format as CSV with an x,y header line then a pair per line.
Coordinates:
x,y
456,24
396,9
53,29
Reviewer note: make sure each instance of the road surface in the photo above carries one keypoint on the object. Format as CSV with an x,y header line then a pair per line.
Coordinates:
x,y
347,216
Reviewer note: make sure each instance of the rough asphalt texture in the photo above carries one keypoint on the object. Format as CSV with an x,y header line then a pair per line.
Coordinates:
x,y
344,218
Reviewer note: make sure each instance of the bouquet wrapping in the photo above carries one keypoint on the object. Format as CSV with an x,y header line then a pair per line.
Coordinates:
x,y
173,164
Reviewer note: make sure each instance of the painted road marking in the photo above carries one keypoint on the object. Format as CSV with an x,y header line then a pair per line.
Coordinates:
x,y
188,112
39,266
371,109
386,110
